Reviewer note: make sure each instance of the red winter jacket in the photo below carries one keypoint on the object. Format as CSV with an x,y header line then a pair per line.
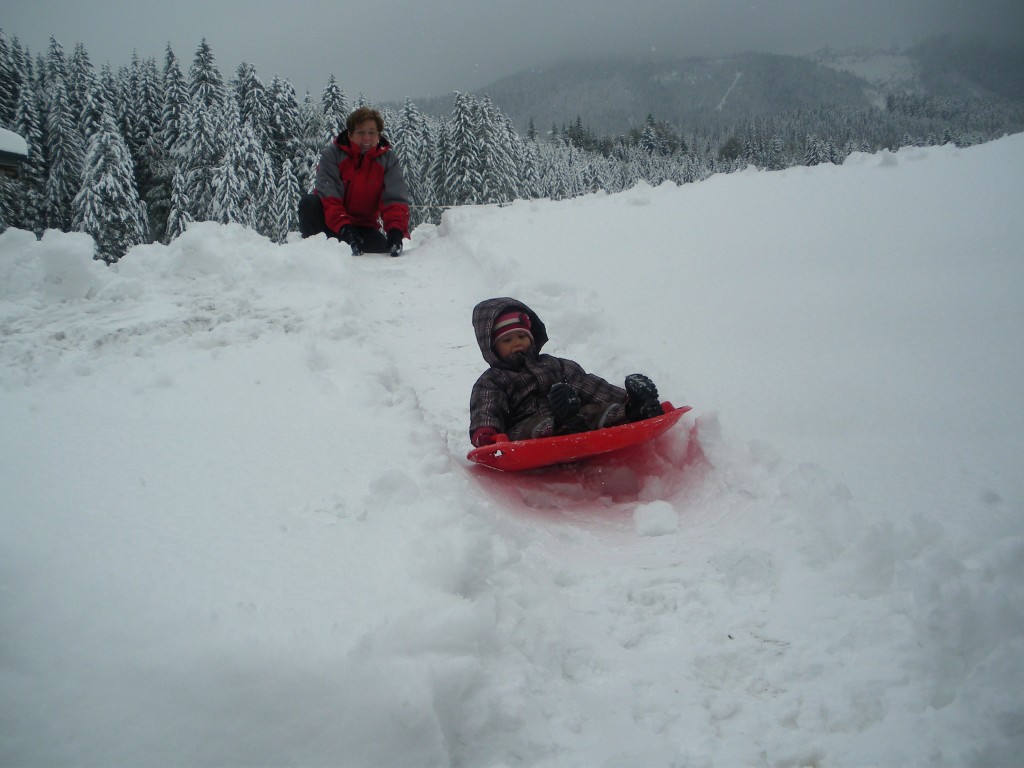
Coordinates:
x,y
364,190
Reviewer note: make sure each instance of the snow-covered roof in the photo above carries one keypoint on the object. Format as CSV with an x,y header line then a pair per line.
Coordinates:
x,y
13,143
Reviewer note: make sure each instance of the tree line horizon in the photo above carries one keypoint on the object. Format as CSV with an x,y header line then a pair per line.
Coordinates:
x,y
134,156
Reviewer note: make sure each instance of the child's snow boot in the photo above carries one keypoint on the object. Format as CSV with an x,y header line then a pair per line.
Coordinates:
x,y
565,406
643,402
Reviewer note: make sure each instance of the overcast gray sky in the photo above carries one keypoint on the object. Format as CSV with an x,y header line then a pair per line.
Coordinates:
x,y
390,49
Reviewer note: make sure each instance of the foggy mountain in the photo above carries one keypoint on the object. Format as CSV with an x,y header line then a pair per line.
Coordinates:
x,y
612,95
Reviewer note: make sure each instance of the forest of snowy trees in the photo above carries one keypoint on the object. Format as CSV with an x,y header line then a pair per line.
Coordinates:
x,y
133,156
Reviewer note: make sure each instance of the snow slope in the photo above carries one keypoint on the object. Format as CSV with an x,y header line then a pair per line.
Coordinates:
x,y
239,528
885,71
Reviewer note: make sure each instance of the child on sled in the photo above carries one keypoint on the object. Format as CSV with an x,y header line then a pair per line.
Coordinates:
x,y
526,394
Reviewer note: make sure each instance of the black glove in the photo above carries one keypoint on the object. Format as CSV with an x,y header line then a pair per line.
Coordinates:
x,y
349,235
395,241
563,400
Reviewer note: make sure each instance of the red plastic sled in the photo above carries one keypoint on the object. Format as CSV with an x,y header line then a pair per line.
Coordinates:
x,y
517,455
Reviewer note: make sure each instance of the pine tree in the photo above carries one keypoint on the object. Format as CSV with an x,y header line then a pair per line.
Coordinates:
x,y
178,217
202,147
81,81
812,151
313,133
30,211
284,123
203,154
285,204
335,109
108,206
22,73
8,195
55,65
175,109
150,98
529,174
94,106
496,169
158,196
651,140
142,96
110,94
252,102
64,152
407,138
438,171
164,148
8,84
243,183
463,183
204,143
205,82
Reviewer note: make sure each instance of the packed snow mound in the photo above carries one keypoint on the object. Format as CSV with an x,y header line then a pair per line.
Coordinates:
x,y
239,527
13,143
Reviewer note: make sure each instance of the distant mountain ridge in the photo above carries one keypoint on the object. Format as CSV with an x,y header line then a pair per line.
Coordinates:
x,y
613,95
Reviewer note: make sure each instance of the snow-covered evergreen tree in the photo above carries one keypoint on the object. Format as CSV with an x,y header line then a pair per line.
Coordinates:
x,y
813,151
529,171
158,197
178,217
464,183
335,109
205,82
30,208
147,100
94,106
110,90
497,169
285,204
108,206
651,139
174,114
312,127
410,139
252,99
55,65
284,130
64,153
203,147
9,80
142,98
203,155
8,193
81,81
243,183
438,171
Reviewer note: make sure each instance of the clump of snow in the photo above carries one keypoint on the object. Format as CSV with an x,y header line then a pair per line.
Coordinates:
x,y
60,266
655,519
239,526
13,143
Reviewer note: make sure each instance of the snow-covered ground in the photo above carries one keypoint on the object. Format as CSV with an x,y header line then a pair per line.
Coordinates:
x,y
239,527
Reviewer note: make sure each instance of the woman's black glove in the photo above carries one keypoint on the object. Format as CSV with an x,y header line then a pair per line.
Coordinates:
x,y
395,241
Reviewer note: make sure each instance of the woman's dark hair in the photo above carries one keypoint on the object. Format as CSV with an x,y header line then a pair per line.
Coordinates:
x,y
363,114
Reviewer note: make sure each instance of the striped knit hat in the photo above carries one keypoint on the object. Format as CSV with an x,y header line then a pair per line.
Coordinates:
x,y
508,322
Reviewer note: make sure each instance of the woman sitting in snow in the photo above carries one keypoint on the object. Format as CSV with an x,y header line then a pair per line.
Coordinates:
x,y
360,195
525,394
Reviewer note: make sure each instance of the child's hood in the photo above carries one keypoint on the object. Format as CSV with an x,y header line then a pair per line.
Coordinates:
x,y
486,313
